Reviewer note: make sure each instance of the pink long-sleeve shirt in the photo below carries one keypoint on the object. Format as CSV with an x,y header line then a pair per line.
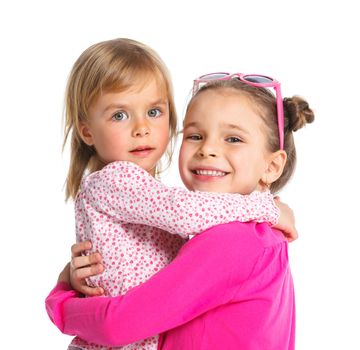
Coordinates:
x,y
127,215
228,288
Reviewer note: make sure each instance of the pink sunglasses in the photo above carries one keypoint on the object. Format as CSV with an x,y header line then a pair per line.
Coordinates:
x,y
254,80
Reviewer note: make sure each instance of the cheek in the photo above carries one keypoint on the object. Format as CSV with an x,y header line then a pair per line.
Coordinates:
x,y
111,142
163,135
183,163
183,156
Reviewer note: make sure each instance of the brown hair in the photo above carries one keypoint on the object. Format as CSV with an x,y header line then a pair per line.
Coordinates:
x,y
297,114
113,65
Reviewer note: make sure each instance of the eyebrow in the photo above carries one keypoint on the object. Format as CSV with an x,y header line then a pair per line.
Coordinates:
x,y
234,126
189,125
124,105
222,125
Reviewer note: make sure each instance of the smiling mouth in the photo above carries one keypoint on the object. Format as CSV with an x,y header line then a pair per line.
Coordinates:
x,y
212,173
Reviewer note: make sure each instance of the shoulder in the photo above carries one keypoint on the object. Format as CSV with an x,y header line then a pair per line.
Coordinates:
x,y
124,167
228,249
114,173
237,238
236,232
226,238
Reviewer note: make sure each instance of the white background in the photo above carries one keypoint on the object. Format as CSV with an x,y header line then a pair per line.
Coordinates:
x,y
311,47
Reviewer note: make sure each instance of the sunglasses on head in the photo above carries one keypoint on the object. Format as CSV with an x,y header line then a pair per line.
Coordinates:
x,y
256,80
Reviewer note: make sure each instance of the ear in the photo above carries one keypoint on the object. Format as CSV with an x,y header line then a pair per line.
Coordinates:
x,y
85,133
275,167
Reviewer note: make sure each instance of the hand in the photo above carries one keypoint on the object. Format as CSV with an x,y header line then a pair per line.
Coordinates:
x,y
65,274
286,221
83,266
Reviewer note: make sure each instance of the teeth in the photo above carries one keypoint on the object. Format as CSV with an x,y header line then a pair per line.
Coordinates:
x,y
210,173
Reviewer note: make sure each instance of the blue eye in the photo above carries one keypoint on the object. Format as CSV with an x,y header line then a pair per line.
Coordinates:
x,y
119,116
154,112
233,139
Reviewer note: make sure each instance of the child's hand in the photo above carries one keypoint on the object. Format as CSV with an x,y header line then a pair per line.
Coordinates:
x,y
82,267
286,221
65,274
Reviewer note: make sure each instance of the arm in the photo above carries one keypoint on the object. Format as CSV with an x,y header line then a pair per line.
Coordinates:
x,y
88,265
127,192
178,293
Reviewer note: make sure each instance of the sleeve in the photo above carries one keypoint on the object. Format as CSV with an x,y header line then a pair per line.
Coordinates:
x,y
177,294
53,302
127,192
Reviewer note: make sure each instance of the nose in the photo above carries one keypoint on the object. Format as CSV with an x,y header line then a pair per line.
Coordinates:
x,y
141,129
207,150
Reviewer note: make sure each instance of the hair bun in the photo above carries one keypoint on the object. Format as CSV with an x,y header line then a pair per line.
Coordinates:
x,y
297,113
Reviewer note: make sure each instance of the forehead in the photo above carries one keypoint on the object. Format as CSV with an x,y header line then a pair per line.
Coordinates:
x,y
140,81
222,105
141,90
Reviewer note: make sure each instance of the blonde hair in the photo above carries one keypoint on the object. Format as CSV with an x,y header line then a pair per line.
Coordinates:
x,y
297,113
113,65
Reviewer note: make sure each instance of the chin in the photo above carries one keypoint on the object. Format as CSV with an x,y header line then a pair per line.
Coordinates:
x,y
209,189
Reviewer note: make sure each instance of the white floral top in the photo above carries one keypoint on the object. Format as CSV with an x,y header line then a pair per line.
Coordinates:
x,y
127,215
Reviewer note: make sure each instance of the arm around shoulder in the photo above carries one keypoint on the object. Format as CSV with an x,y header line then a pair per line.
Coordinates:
x,y
129,193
